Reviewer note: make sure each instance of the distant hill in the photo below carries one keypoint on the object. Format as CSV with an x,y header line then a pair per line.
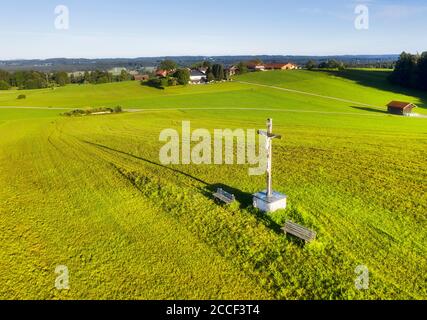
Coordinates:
x,y
134,63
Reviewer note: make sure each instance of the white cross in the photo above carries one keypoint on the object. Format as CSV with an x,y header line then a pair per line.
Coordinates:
x,y
268,145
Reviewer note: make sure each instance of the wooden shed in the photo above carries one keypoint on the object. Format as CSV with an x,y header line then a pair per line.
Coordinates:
x,y
400,108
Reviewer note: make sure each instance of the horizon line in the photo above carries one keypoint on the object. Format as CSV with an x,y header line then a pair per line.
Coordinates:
x,y
205,56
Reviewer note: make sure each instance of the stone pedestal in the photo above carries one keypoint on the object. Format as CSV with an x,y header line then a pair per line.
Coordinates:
x,y
269,204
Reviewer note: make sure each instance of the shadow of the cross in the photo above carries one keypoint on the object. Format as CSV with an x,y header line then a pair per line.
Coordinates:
x,y
147,161
243,198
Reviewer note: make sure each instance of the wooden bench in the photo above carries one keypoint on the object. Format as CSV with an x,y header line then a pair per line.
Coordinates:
x,y
224,196
299,231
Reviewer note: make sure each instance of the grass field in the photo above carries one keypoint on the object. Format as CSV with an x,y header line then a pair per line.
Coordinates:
x,y
89,193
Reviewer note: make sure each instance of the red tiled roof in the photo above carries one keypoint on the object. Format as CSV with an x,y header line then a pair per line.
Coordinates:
x,y
399,104
162,73
279,65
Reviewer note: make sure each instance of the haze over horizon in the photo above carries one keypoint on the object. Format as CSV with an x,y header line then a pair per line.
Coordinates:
x,y
133,29
190,56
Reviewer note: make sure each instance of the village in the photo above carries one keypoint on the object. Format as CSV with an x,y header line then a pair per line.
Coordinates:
x,y
201,74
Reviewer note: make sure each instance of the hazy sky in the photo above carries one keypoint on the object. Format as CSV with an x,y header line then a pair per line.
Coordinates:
x,y
137,28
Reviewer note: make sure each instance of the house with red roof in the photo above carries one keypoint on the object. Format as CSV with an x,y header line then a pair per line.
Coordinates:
x,y
162,73
280,66
401,108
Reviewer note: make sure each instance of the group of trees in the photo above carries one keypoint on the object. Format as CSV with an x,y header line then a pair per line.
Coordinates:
x,y
24,80
168,65
242,68
178,77
411,71
203,64
94,77
330,64
216,73
39,80
99,76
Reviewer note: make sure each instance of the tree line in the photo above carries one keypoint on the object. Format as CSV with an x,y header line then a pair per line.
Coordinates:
x,y
23,80
340,65
332,64
27,80
411,71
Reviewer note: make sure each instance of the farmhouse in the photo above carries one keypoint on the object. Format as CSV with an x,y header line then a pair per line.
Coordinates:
x,y
254,66
197,77
280,66
162,73
401,108
232,70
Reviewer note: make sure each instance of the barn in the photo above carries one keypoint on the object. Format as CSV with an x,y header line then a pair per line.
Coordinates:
x,y
400,108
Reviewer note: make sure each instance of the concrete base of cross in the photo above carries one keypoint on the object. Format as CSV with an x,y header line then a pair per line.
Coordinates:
x,y
266,204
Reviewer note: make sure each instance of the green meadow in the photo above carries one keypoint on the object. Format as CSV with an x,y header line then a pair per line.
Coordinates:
x,y
90,193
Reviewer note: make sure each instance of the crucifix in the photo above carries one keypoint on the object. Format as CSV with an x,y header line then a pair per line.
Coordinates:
x,y
269,200
269,148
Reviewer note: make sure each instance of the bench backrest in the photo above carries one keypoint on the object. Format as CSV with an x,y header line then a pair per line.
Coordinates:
x,y
299,231
225,194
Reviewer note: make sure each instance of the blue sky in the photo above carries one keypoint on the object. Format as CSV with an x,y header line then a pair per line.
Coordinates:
x,y
138,28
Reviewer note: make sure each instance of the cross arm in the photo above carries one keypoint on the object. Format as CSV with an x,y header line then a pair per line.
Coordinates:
x,y
269,135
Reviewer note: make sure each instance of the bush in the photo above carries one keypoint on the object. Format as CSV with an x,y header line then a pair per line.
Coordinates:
x,y
79,112
73,113
22,96
182,76
4,85
164,82
155,83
